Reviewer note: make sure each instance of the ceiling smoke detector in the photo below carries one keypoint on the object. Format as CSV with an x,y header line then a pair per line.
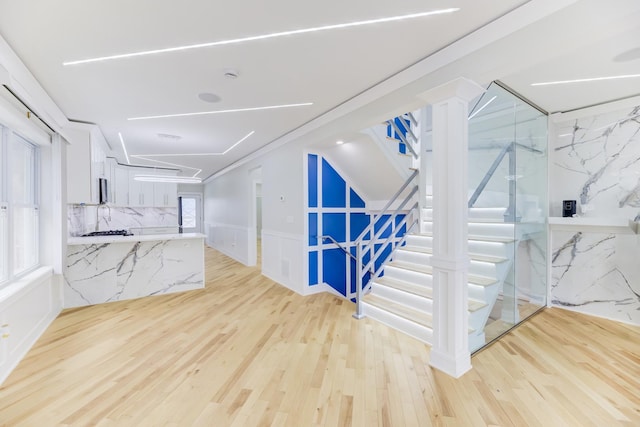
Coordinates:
x,y
231,73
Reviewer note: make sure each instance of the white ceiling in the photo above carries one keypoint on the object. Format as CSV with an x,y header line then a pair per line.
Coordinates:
x,y
325,68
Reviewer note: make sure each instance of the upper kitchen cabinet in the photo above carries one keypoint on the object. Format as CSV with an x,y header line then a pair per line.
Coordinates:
x,y
86,163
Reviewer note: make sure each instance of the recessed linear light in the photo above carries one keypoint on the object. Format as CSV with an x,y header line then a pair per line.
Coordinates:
x,y
236,110
482,108
168,178
264,36
124,148
144,157
593,79
201,154
339,142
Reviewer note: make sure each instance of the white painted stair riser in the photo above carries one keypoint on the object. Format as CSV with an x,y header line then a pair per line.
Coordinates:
x,y
419,240
423,279
408,327
478,229
414,301
419,258
496,214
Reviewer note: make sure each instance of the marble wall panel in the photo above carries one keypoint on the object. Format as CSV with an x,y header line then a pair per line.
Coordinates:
x,y
83,219
100,273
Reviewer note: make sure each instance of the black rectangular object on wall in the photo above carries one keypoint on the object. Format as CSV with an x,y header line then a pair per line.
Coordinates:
x,y
568,208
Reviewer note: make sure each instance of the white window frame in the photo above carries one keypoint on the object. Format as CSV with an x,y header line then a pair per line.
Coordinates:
x,y
7,206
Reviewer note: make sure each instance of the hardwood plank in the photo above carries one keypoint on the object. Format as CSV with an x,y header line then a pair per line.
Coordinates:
x,y
246,351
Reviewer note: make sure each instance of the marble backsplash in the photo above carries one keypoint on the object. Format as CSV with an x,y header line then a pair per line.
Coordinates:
x,y
596,161
597,274
87,218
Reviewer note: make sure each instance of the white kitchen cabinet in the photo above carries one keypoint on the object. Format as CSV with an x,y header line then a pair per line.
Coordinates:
x,y
140,192
121,186
165,194
86,161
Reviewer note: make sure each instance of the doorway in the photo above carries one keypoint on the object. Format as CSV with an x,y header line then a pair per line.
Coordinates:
x,y
190,212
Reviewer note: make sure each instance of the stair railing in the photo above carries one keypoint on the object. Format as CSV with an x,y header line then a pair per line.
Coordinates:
x,y
409,141
335,242
367,246
510,149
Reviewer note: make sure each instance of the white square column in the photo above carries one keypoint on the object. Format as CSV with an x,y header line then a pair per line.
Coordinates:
x,y
450,261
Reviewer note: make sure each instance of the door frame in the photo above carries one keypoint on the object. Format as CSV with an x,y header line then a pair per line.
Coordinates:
x,y
199,209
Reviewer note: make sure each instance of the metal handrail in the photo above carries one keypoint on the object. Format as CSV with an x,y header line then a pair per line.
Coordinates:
x,y
337,244
510,212
363,248
403,139
389,203
488,175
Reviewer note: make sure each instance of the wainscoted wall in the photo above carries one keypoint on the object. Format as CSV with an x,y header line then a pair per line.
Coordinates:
x,y
83,219
27,307
596,161
283,260
231,240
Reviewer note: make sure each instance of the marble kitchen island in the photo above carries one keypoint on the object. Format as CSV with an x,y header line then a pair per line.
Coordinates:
x,y
114,268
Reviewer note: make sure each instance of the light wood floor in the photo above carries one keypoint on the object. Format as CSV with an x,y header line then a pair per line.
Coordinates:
x,y
248,352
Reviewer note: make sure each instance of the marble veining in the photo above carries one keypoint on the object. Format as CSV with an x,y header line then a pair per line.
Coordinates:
x,y
598,160
597,273
86,218
104,272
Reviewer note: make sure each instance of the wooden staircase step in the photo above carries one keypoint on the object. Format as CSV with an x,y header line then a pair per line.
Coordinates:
x,y
427,269
473,256
401,285
421,318
411,266
495,239
475,305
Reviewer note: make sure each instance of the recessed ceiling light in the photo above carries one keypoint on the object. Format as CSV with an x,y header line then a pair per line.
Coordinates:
x,y
209,97
629,55
169,136
339,142
145,157
236,110
198,154
265,36
475,113
124,148
593,79
168,178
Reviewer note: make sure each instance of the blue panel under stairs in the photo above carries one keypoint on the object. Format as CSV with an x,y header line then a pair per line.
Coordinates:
x,y
380,222
402,148
334,225
333,187
313,229
313,268
358,222
312,171
355,200
334,269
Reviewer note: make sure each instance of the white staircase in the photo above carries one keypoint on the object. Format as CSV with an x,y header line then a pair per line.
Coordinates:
x,y
402,298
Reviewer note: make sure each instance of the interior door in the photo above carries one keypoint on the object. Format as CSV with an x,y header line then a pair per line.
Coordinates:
x,y
190,213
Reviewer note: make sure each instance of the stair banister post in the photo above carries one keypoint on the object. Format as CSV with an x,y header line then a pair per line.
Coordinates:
x,y
450,261
358,314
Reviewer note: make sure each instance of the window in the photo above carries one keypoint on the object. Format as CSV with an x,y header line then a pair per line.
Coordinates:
x,y
18,205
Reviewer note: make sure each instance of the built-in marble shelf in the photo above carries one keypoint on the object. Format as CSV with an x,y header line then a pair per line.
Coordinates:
x,y
90,240
594,224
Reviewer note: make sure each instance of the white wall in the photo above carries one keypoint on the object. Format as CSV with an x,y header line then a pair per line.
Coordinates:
x,y
229,204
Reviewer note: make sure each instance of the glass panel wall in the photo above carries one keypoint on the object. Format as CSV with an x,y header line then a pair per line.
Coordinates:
x,y
507,208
